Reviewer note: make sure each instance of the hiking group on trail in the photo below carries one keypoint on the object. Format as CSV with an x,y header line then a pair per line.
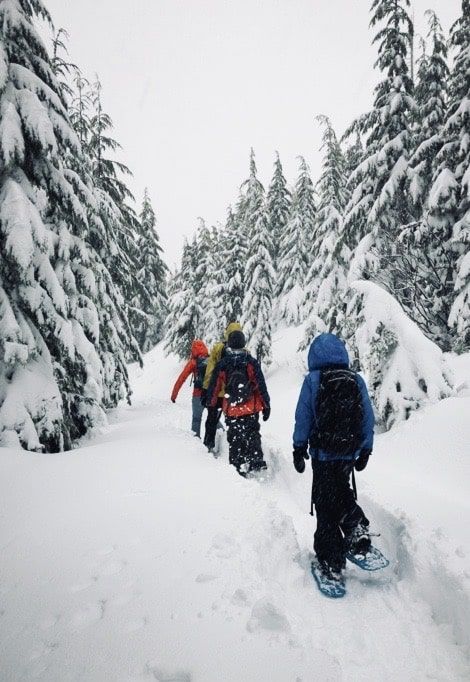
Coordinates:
x,y
232,383
334,427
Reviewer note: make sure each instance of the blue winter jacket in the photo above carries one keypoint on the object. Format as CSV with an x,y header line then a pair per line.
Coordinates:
x,y
325,351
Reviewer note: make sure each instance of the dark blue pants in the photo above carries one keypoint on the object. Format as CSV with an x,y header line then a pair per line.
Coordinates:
x,y
212,422
198,409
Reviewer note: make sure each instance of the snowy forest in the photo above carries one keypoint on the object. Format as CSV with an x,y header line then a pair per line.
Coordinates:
x,y
375,249
235,340
82,277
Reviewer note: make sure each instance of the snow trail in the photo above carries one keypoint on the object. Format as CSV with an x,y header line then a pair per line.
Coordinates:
x,y
141,557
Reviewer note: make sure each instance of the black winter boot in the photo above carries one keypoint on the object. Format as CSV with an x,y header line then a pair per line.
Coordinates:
x,y
358,542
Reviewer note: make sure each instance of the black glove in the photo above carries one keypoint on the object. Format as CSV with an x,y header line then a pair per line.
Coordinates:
x,y
203,396
300,455
361,462
266,413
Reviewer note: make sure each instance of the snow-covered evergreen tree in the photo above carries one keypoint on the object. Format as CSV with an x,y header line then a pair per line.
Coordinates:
x,y
182,324
203,283
354,155
279,202
327,273
117,236
432,247
62,336
214,290
295,250
152,306
251,201
259,283
259,273
451,192
306,206
378,206
292,268
233,250
331,191
431,99
80,113
108,175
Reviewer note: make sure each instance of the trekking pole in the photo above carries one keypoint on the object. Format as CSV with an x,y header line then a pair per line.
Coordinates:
x,y
353,481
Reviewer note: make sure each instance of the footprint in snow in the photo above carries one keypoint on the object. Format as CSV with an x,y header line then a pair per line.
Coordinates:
x,y
205,578
240,598
161,675
267,616
224,547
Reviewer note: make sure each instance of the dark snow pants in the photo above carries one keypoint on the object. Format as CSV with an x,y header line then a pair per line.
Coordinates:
x,y
211,423
244,442
337,512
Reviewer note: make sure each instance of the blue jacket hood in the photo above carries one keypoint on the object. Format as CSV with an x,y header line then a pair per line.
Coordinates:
x,y
327,349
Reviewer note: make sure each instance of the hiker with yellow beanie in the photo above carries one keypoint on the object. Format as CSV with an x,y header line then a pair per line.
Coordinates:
x,y
214,412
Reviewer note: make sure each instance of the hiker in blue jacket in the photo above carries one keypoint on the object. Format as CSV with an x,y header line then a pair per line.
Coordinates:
x,y
334,425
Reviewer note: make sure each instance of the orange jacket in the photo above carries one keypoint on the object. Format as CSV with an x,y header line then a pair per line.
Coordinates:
x,y
198,350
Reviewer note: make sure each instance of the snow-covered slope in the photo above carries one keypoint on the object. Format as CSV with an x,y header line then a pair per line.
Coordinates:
x,y
140,557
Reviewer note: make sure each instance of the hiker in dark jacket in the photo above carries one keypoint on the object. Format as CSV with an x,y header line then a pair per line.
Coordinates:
x,y
245,396
196,366
341,524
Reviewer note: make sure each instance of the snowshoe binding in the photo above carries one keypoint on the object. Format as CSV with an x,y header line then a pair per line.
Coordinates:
x,y
361,552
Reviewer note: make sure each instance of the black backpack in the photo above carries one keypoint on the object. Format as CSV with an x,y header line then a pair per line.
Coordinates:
x,y
339,413
238,387
201,364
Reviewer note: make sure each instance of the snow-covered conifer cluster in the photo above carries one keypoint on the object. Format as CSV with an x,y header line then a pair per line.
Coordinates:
x,y
79,272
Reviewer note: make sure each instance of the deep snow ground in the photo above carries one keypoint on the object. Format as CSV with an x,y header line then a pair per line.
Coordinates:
x,y
140,557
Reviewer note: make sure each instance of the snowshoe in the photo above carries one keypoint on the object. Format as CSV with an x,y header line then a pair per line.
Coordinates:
x,y
329,583
260,473
371,560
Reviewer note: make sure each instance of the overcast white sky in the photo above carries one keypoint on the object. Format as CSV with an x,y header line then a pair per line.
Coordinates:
x,y
192,84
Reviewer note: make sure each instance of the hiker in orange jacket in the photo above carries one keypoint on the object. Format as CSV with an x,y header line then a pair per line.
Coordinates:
x,y
196,366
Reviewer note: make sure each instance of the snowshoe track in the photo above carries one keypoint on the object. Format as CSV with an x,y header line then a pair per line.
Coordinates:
x,y
172,546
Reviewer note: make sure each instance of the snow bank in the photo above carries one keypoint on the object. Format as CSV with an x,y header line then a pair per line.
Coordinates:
x,y
139,557
403,368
